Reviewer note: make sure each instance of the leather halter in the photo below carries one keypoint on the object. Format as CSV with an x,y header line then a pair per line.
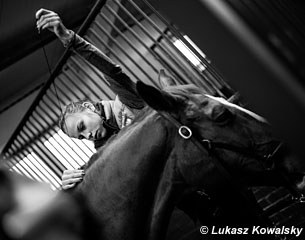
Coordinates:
x,y
207,145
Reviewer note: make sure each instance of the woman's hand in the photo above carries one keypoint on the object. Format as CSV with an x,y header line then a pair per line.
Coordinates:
x,y
71,177
47,19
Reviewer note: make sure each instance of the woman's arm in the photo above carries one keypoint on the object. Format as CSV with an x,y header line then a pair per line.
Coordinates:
x,y
119,82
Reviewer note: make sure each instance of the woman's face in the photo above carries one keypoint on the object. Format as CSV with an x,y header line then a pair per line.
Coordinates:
x,y
85,125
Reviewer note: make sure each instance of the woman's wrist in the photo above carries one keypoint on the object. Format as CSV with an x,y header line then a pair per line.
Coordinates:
x,y
66,37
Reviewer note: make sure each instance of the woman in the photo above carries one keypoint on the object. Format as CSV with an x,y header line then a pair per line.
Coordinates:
x,y
95,121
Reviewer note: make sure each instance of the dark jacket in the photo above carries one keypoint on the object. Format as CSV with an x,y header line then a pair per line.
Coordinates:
x,y
122,110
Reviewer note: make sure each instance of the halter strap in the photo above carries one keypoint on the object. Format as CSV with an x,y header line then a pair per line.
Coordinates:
x,y
186,133
210,146
205,145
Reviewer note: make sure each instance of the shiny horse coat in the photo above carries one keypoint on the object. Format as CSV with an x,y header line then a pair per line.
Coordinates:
x,y
133,183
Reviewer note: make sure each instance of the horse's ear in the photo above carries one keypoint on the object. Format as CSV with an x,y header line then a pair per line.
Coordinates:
x,y
155,98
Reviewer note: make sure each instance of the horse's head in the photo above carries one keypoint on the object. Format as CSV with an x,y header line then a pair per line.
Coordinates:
x,y
210,118
189,106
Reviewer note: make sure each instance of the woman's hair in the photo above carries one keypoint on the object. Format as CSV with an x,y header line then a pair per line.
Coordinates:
x,y
72,107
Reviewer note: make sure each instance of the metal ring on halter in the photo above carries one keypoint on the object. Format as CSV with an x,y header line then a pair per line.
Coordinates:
x,y
185,136
299,199
207,143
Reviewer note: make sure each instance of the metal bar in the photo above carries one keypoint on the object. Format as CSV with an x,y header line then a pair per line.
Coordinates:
x,y
43,157
6,163
62,137
21,162
148,34
117,17
9,161
23,170
7,156
152,39
30,153
47,152
78,64
204,84
51,178
83,142
174,50
158,58
120,47
59,167
213,71
282,203
50,92
47,140
170,42
64,150
114,54
49,175
66,91
55,132
50,164
97,72
95,10
67,76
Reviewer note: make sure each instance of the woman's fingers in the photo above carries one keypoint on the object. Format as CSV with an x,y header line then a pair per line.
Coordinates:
x,y
47,15
71,177
74,173
68,186
45,18
71,180
40,12
65,187
51,22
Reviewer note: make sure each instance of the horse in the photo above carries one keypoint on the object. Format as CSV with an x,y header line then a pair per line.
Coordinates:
x,y
133,183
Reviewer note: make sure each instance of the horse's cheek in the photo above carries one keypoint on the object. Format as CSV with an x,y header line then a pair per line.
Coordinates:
x,y
194,164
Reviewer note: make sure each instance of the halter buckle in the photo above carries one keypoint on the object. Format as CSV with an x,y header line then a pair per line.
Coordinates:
x,y
207,143
299,199
185,132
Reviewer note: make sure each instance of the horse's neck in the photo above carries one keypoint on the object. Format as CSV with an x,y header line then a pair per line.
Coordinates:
x,y
141,145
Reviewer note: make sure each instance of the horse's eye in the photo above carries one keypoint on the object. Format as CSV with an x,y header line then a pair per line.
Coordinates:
x,y
223,116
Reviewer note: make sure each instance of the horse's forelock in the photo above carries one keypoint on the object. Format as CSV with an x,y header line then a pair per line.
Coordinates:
x,y
190,99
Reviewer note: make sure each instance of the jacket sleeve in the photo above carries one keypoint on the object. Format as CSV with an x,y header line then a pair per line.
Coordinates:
x,y
119,82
